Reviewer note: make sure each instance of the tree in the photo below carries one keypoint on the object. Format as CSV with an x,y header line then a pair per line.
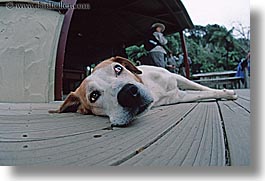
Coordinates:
x,y
223,49
242,34
136,52
211,48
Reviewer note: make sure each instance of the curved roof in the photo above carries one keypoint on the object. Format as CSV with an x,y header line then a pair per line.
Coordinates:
x,y
111,23
128,20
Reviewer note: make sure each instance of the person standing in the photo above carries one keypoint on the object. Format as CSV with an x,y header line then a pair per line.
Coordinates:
x,y
171,63
181,64
157,41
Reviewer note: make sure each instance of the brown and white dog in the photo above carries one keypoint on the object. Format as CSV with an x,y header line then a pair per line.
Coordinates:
x,y
118,89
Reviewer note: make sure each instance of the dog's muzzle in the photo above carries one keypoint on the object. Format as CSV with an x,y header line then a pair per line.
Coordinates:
x,y
134,100
129,96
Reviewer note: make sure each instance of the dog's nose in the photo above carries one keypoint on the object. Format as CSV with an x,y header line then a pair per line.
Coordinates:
x,y
129,96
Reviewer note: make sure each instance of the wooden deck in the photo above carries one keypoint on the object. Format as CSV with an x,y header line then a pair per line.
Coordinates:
x,y
208,133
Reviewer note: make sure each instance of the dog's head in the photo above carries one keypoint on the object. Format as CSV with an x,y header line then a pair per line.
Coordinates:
x,y
113,89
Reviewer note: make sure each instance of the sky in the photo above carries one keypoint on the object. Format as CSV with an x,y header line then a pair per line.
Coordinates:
x,y
222,12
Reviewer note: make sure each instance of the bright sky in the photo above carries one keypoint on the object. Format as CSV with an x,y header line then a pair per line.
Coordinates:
x,y
222,12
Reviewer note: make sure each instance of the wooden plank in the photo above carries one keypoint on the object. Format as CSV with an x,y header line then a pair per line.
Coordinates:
x,y
46,129
9,109
147,129
85,144
219,80
77,154
234,82
196,140
237,126
243,103
243,93
243,99
30,106
211,74
168,135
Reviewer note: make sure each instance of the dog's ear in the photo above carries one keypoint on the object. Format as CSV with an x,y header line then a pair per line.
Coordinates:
x,y
127,64
71,104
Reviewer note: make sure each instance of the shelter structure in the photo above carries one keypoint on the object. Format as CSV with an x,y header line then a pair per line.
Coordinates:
x,y
44,52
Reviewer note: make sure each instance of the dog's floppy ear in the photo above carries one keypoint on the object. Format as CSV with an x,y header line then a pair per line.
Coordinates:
x,y
71,104
127,64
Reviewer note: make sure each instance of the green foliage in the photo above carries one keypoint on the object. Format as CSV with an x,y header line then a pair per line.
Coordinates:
x,y
174,43
211,48
136,52
217,48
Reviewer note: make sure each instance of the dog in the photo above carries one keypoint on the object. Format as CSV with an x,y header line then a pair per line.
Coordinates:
x,y
118,89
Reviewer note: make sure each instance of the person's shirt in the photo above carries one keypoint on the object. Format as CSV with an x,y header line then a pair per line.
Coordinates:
x,y
162,40
172,61
180,61
240,71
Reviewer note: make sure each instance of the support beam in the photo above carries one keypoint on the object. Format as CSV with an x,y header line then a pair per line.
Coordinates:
x,y
184,49
61,51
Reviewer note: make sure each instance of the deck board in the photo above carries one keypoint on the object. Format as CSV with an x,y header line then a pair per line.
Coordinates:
x,y
189,134
237,126
243,103
243,93
244,99
192,142
114,144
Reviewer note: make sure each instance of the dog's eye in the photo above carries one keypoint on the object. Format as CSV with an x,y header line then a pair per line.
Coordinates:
x,y
94,96
118,69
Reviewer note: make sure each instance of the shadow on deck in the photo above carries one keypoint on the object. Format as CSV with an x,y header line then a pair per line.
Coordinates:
x,y
213,133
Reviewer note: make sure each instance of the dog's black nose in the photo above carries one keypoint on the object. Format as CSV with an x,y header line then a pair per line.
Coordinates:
x,y
129,96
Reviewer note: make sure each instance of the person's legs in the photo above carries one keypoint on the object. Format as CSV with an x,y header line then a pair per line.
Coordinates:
x,y
158,59
183,71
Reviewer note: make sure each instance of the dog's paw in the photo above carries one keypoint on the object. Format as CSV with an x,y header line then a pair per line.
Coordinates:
x,y
230,94
53,111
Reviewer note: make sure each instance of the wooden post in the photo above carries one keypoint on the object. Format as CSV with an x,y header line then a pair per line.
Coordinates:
x,y
184,49
61,51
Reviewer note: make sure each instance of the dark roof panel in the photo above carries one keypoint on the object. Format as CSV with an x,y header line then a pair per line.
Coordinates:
x,y
110,23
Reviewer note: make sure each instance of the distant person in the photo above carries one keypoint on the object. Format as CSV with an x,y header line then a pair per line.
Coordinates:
x,y
171,63
246,63
155,43
240,70
181,64
243,64
243,69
